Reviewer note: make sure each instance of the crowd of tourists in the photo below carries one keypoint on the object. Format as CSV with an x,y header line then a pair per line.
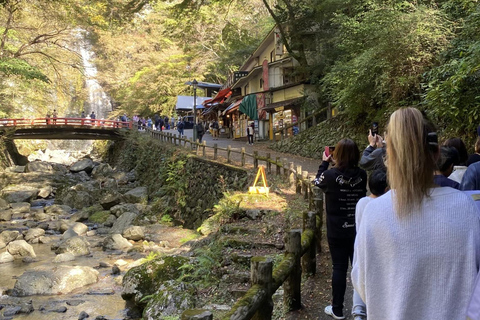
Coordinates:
x,y
414,241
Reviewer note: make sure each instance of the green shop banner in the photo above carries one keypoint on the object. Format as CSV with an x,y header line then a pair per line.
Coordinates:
x,y
249,106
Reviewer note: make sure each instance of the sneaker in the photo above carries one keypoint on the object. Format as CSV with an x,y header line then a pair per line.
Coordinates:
x,y
329,310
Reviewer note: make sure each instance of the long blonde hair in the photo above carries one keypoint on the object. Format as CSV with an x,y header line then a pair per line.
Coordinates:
x,y
410,159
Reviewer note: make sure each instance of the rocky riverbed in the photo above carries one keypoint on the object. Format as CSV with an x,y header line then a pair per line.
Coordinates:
x,y
68,234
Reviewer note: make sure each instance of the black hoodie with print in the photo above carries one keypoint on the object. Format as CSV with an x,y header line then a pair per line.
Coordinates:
x,y
343,189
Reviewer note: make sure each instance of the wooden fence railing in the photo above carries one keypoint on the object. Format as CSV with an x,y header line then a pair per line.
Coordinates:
x,y
301,247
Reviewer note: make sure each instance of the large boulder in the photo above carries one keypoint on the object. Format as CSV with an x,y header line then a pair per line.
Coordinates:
x,y
45,192
6,257
4,204
56,280
20,207
64,257
88,186
78,199
123,222
145,279
115,242
110,198
8,236
85,164
6,215
85,213
38,166
120,209
102,170
33,234
79,228
78,246
137,195
58,209
170,299
19,194
134,233
20,249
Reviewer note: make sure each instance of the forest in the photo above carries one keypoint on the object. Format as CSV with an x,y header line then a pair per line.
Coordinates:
x,y
365,57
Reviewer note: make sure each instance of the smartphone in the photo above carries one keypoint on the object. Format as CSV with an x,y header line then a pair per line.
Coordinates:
x,y
329,150
374,129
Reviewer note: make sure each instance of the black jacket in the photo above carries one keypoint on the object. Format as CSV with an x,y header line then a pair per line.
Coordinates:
x,y
343,189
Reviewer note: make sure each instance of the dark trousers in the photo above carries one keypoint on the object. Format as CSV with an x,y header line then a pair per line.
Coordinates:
x,y
250,138
341,250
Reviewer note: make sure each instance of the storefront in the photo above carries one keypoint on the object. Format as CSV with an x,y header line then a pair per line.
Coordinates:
x,y
283,114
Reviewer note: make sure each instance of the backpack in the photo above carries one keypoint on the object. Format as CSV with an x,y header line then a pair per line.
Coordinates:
x,y
215,125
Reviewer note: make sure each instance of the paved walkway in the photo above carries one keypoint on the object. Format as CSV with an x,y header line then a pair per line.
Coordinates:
x,y
308,164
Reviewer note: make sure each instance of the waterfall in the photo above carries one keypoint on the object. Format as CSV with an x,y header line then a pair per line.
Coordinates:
x,y
98,100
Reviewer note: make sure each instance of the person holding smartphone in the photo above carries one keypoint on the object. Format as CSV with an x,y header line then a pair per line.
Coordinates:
x,y
343,184
373,156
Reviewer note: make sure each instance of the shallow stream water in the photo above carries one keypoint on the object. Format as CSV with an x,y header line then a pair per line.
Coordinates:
x,y
99,299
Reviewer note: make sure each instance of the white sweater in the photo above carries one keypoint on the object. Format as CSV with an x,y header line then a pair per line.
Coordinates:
x,y
422,266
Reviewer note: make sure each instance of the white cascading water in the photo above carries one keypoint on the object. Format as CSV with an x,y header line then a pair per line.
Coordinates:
x,y
98,100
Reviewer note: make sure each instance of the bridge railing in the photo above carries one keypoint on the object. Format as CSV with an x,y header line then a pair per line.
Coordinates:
x,y
42,122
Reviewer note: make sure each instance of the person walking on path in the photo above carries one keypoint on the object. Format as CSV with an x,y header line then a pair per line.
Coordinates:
x,y
200,131
55,115
47,118
93,116
180,127
417,251
250,132
215,128
343,186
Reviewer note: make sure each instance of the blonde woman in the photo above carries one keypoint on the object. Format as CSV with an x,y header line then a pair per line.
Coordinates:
x,y
417,250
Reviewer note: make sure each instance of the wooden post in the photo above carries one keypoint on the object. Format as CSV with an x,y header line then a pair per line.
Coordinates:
x,y
298,180
305,184
255,159
314,120
243,156
174,139
292,173
229,152
285,168
269,164
261,274
309,259
215,151
318,200
292,297
204,145
277,161
197,146
191,143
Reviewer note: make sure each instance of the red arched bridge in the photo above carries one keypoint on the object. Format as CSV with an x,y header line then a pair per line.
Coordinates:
x,y
64,128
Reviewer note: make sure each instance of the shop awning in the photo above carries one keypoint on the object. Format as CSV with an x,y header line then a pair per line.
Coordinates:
x,y
249,106
232,107
186,103
284,103
219,98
